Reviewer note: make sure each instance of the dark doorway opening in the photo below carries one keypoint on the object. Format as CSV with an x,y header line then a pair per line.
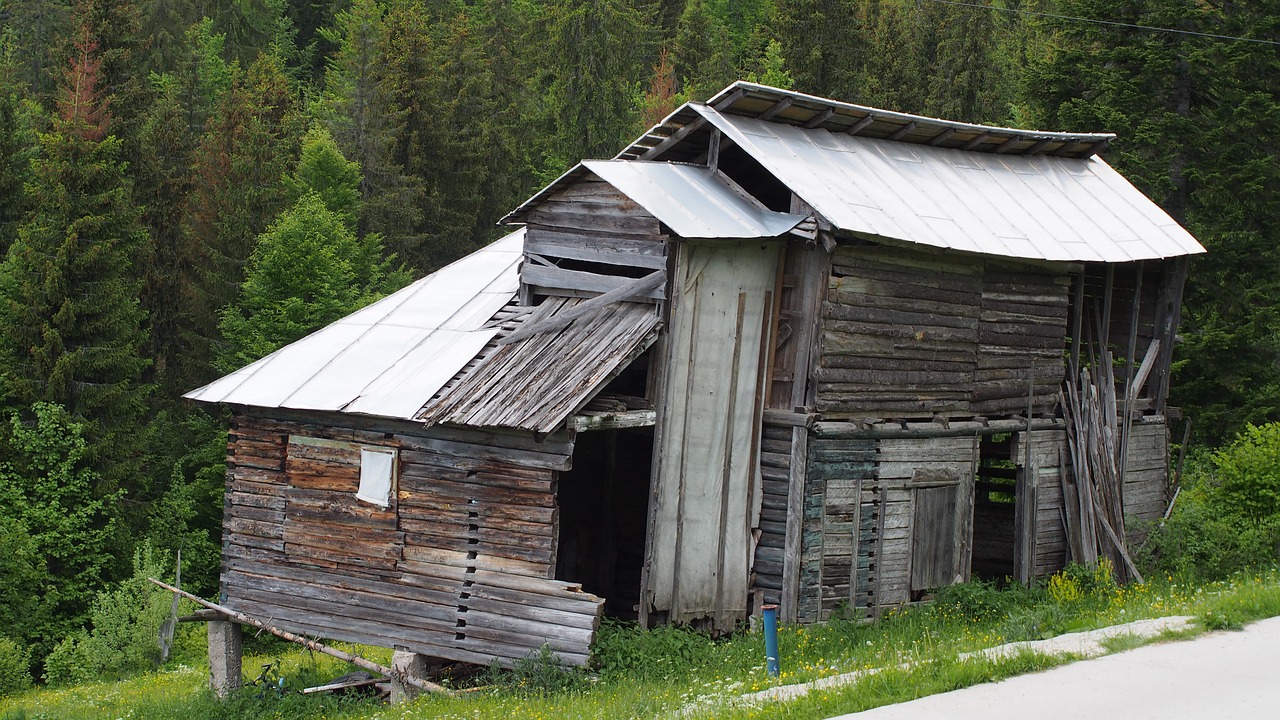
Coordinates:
x,y
604,513
994,502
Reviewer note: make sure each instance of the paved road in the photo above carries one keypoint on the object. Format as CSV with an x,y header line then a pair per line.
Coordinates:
x,y
1218,676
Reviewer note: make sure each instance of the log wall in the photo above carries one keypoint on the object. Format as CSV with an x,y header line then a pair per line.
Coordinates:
x,y
910,333
457,567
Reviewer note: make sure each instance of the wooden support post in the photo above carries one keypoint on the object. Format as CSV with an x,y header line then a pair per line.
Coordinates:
x,y
224,657
406,663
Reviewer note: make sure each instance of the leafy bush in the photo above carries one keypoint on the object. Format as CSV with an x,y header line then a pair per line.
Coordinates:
x,y
1227,518
981,601
628,649
126,622
542,672
14,662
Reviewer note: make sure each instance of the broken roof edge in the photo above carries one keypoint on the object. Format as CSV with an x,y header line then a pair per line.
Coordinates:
x,y
810,111
693,200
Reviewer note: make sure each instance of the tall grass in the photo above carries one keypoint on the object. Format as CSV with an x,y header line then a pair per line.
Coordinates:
x,y
670,672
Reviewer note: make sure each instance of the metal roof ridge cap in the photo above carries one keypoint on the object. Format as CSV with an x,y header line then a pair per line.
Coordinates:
x,y
909,117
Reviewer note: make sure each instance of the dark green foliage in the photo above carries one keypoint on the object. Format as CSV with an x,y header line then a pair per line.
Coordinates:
x,y
701,52
70,324
17,147
599,52
1199,128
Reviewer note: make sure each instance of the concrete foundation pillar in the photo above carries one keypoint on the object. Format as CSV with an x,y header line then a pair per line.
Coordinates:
x,y
410,663
224,656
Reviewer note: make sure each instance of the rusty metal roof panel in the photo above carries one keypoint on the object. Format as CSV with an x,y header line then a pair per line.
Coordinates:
x,y
389,358
1036,207
693,200
536,383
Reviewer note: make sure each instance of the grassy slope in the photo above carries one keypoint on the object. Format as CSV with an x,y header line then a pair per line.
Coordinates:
x,y
667,672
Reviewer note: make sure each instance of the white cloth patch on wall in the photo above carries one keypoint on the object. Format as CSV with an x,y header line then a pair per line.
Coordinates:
x,y
376,469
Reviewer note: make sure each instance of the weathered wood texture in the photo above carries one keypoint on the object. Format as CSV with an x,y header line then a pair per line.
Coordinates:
x,y
775,469
1048,450
905,467
841,529
1146,477
458,567
909,333
592,238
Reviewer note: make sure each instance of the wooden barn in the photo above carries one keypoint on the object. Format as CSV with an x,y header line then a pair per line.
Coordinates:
x,y
779,350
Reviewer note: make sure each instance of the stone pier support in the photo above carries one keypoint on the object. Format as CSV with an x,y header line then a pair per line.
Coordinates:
x,y
224,656
410,663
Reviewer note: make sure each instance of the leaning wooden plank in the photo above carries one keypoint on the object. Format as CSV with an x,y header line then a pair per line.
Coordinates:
x,y
309,643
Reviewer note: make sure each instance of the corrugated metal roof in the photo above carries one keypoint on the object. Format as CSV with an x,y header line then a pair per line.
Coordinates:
x,y
536,383
693,200
1029,206
389,358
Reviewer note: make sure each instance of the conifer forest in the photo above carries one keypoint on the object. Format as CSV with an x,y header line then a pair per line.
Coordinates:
x,y
187,185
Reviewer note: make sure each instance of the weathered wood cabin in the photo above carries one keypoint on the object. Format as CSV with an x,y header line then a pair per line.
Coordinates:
x,y
779,350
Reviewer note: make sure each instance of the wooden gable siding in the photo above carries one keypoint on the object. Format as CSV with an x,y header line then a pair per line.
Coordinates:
x,y
909,333
458,567
589,239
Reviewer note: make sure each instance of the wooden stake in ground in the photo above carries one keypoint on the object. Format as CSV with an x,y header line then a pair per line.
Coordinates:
x,y
309,643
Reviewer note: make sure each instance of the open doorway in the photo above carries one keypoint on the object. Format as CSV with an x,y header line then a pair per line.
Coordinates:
x,y
994,504
603,514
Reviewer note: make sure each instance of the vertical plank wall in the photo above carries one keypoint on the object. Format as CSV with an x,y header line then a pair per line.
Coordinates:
x,y
707,495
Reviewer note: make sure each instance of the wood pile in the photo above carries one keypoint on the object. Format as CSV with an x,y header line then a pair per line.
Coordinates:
x,y
1095,505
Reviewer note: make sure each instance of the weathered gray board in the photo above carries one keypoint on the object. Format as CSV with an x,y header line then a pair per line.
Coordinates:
x,y
1146,478
457,567
1047,550
841,531
910,539
707,494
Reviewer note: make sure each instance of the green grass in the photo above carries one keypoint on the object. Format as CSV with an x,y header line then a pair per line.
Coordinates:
x,y
667,671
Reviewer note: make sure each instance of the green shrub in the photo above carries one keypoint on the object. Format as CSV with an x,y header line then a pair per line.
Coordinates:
x,y
1227,518
124,638
1248,474
67,664
15,660
628,649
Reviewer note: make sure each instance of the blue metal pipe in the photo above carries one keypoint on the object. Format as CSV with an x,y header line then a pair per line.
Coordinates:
x,y
771,639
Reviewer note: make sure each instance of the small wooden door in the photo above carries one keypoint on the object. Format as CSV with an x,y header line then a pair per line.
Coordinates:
x,y
941,528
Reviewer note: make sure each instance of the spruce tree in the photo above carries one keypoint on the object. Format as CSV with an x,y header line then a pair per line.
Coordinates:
x,y
71,329
701,52
359,110
240,161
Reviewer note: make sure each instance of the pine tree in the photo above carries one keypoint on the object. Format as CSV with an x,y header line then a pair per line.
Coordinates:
x,y
324,171
599,50
240,162
359,110
701,52
17,143
71,328
35,26
822,42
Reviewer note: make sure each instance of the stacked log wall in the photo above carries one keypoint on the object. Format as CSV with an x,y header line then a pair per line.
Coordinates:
x,y
910,333
459,566
775,469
